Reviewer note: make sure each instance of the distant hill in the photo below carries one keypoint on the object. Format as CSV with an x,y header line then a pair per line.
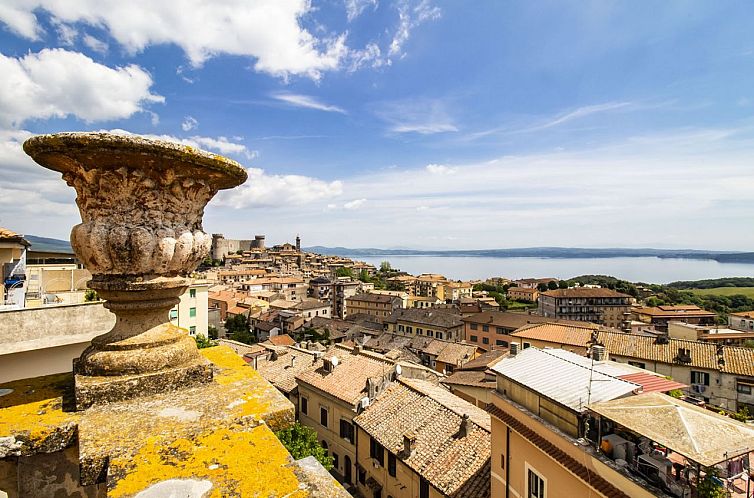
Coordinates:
x,y
547,252
45,244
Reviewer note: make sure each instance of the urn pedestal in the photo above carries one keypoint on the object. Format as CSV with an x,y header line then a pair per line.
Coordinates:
x,y
141,203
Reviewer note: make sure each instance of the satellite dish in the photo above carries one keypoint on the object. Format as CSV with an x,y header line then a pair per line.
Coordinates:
x,y
398,370
334,360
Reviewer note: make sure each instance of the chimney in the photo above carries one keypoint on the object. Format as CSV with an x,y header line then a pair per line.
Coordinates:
x,y
409,442
598,353
293,361
463,430
357,348
513,349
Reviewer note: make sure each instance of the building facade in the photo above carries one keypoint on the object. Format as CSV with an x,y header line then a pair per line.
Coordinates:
x,y
191,311
596,305
379,306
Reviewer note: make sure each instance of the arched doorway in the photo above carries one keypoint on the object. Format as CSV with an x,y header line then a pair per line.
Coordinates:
x,y
347,469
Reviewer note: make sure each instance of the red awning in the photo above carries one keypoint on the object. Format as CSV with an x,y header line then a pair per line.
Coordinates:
x,y
652,383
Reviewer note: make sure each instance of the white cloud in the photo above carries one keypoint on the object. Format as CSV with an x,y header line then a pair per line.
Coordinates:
x,y
96,44
268,30
224,146
281,191
408,19
55,83
66,34
307,102
354,204
189,123
439,169
219,144
422,116
354,8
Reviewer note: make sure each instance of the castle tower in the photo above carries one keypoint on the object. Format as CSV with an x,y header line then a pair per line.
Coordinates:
x,y
298,243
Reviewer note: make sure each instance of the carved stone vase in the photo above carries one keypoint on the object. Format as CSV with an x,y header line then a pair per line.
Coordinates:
x,y
141,203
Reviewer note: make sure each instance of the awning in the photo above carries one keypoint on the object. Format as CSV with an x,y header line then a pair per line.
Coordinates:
x,y
652,383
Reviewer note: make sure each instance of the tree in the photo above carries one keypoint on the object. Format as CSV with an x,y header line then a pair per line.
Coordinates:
x,y
542,287
364,276
237,326
385,267
344,272
91,295
563,284
202,342
552,285
301,442
212,332
710,486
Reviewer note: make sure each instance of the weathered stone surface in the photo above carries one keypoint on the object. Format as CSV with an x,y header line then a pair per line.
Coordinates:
x,y
221,432
141,203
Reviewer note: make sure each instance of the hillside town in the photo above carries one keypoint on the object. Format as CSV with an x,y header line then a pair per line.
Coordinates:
x,y
421,386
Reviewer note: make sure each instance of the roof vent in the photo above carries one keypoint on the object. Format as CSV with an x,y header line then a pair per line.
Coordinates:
x,y
409,443
465,427
598,353
684,355
513,348
293,361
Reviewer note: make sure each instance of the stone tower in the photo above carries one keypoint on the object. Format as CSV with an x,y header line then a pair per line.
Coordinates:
x,y
298,243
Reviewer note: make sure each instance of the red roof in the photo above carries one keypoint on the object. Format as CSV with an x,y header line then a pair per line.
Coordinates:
x,y
652,383
282,340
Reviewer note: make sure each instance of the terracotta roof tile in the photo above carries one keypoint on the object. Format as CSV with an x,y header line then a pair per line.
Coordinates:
x,y
348,380
736,360
458,466
282,372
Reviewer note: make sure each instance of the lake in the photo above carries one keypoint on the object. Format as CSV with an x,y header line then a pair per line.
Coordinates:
x,y
637,269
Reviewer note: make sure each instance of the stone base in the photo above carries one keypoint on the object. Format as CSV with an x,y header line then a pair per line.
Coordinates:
x,y
91,390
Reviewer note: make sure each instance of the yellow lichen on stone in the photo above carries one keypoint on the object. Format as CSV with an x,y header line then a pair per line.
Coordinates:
x,y
34,407
245,463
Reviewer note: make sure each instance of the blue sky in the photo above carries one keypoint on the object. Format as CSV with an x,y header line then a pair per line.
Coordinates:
x,y
406,123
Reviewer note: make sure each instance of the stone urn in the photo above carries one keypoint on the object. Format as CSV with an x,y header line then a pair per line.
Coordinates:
x,y
141,203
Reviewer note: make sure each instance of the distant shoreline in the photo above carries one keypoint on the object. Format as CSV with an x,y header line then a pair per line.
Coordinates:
x,y
547,252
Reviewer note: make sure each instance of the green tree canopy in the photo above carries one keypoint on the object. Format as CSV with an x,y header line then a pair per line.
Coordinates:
x,y
237,326
301,442
385,267
344,272
202,342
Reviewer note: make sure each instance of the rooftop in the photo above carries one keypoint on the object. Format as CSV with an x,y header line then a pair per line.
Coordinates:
x,y
282,371
735,360
373,298
577,292
569,383
348,380
696,433
457,465
512,320
675,311
430,317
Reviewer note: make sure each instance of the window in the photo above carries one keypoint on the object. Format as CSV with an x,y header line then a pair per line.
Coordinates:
x,y
473,326
527,345
400,328
192,312
637,364
391,464
430,333
485,328
699,378
420,331
500,330
304,406
536,486
423,488
335,459
743,388
362,474
346,430
500,342
323,416
410,330
439,335
473,338
376,451
174,314
192,330
192,292
485,340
